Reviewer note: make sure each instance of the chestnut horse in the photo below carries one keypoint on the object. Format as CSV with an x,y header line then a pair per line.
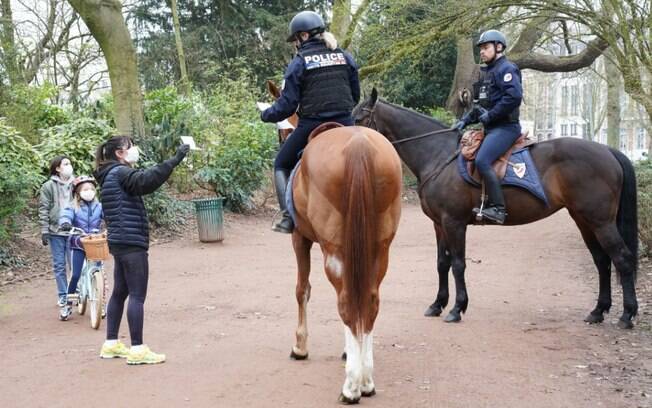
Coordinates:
x,y
347,197
596,184
294,119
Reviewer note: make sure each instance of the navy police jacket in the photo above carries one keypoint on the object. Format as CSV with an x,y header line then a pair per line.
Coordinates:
x,y
499,90
320,83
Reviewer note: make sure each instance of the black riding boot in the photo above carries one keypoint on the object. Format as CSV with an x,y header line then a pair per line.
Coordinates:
x,y
495,209
285,225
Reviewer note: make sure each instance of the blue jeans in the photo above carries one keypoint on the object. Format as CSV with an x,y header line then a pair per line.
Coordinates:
x,y
78,258
58,249
496,142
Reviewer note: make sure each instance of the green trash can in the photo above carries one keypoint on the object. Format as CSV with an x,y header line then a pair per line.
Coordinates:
x,y
210,219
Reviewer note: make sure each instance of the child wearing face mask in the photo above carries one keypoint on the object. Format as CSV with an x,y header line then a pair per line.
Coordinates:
x,y
55,195
85,213
128,235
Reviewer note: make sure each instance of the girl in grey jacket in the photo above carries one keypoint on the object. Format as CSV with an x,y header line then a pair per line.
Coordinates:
x,y
56,195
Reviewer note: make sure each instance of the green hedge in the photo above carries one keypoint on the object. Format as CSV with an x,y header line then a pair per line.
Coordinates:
x,y
644,181
19,176
77,140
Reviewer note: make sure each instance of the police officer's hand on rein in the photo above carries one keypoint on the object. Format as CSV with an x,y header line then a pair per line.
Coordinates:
x,y
459,126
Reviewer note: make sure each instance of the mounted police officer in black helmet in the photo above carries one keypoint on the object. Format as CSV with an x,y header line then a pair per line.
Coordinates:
x,y
498,94
321,85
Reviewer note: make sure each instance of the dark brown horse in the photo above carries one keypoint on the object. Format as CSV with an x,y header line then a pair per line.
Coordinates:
x,y
347,195
595,183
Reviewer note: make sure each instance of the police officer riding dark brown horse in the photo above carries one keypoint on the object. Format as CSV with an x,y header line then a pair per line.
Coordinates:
x,y
595,183
321,82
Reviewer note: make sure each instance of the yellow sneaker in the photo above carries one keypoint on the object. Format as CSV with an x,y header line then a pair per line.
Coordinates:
x,y
118,350
144,356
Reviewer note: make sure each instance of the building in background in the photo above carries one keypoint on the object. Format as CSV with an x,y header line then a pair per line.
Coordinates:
x,y
574,104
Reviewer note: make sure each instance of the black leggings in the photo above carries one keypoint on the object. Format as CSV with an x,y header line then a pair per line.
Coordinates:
x,y
130,276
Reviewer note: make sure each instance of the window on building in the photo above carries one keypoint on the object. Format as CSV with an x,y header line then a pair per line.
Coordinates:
x,y
585,131
564,130
564,100
539,137
573,129
549,137
640,138
623,139
575,93
551,102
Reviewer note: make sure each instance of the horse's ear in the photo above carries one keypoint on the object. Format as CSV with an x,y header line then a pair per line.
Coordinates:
x,y
273,89
374,96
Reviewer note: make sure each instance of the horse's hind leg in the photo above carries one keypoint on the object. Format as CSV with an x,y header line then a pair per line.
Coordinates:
x,y
302,251
443,266
623,259
603,263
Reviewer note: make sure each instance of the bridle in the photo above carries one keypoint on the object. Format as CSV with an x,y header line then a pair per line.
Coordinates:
x,y
372,125
437,170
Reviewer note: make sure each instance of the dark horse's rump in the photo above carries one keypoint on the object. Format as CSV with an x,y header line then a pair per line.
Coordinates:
x,y
596,184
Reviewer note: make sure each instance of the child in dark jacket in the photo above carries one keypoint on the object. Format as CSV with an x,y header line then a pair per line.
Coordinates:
x,y
85,213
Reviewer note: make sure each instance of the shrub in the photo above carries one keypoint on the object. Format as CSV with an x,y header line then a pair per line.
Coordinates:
x,y
78,140
165,211
28,109
19,177
644,181
237,147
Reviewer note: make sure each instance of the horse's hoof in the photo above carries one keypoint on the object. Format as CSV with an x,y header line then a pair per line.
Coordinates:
x,y
344,356
369,393
594,318
296,356
625,324
433,311
348,401
453,317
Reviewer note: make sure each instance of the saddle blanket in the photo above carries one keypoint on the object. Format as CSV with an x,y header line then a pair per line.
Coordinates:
x,y
521,173
289,198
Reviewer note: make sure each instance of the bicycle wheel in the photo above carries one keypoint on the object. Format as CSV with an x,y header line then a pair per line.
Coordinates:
x,y
96,298
81,306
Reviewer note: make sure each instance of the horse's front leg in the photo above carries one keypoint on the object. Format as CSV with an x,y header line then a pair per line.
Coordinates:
x,y
443,266
455,232
302,251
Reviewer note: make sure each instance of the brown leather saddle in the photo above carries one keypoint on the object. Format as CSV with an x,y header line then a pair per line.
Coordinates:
x,y
471,142
322,128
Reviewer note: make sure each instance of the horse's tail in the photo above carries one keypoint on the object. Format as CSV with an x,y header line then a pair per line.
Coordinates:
x,y
359,232
627,218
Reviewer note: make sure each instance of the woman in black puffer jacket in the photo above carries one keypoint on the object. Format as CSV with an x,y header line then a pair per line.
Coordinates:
x,y
128,236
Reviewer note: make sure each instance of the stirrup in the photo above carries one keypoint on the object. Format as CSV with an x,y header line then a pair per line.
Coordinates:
x,y
486,214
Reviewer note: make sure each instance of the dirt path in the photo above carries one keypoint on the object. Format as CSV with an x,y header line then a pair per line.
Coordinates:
x,y
225,316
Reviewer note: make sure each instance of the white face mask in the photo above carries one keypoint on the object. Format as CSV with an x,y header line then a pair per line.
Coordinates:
x,y
87,195
132,155
66,171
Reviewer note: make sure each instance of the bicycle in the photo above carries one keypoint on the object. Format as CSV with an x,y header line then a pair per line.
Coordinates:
x,y
91,288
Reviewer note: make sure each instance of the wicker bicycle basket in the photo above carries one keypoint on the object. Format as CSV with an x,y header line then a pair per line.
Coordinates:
x,y
96,247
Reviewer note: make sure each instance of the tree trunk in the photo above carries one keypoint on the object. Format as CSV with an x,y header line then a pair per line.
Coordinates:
x,y
341,18
613,102
184,83
466,72
107,25
8,44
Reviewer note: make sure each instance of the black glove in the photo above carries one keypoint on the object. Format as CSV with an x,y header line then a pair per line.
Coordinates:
x,y
45,239
182,151
459,126
66,226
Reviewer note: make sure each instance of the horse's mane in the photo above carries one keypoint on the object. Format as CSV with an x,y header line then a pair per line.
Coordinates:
x,y
413,112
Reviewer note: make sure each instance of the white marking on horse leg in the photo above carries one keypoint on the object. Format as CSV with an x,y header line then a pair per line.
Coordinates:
x,y
367,363
301,347
334,264
351,387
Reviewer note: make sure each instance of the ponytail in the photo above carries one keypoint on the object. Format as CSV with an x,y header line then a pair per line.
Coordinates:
x,y
329,39
106,151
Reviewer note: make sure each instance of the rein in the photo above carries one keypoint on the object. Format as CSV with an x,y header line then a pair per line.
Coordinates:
x,y
439,169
